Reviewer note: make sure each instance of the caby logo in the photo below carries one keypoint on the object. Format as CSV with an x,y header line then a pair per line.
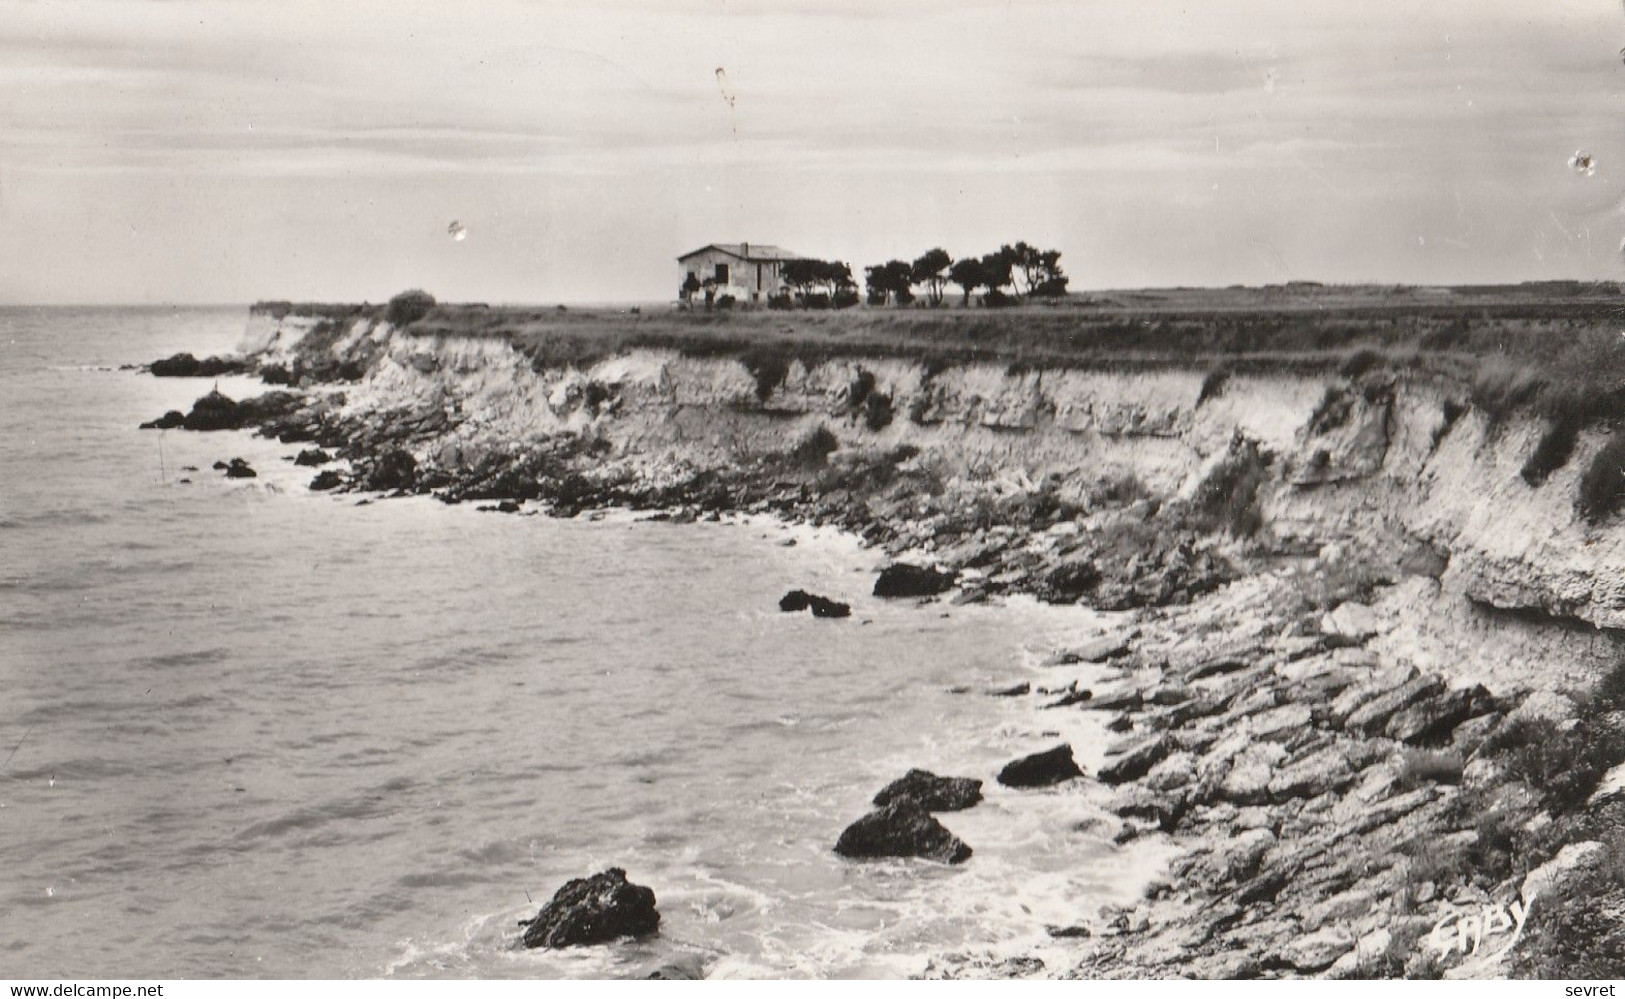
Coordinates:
x,y
1471,930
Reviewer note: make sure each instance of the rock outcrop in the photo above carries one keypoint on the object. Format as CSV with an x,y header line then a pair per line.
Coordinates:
x,y
901,828
1052,766
932,793
901,579
594,910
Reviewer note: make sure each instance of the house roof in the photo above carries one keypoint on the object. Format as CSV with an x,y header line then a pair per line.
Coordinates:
x,y
758,251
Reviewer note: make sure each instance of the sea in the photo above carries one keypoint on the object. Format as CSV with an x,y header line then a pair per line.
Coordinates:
x,y
252,731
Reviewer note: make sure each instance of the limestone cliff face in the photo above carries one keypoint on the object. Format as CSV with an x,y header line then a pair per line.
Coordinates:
x,y
1378,460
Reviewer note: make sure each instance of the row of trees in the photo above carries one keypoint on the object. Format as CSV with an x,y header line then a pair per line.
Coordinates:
x,y
1023,268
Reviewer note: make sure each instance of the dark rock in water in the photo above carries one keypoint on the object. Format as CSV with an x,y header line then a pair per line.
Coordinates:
x,y
394,469
594,910
799,600
900,579
312,457
685,969
822,607
240,469
507,506
276,374
326,480
1053,766
1068,932
901,829
219,466
213,412
932,793
1136,762
1019,690
176,366
169,421
1077,695
184,365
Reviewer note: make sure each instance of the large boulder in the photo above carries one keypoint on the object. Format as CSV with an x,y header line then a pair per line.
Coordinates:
x,y
901,829
240,469
594,910
394,469
1052,766
800,600
181,365
326,480
932,793
213,412
900,579
312,456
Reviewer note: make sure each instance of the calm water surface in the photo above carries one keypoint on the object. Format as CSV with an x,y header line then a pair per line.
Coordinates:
x,y
265,732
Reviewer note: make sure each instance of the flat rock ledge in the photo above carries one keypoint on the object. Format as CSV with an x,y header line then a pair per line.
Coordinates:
x,y
595,910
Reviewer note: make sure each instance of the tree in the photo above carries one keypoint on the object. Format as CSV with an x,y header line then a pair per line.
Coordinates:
x,y
996,270
803,275
1036,271
930,270
893,279
969,275
690,288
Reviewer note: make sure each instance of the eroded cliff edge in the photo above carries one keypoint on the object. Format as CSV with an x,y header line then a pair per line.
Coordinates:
x,y
1326,573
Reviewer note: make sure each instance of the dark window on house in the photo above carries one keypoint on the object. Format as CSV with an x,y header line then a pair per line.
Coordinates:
x,y
758,277
722,274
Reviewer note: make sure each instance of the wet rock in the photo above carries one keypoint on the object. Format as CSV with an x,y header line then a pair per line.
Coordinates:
x,y
184,365
690,968
240,469
1122,700
312,457
932,793
394,469
1136,761
594,910
213,412
800,600
326,480
1069,932
1075,695
901,829
901,579
169,421
1053,766
1018,690
1098,651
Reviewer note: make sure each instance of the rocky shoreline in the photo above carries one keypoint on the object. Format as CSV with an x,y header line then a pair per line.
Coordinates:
x,y
1334,804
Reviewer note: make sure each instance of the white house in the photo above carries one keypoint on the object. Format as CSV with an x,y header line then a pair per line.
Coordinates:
x,y
747,271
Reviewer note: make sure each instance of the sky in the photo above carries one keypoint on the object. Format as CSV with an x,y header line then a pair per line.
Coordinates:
x,y
178,151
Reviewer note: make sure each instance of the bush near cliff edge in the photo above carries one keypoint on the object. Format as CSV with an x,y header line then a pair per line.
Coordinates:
x,y
408,307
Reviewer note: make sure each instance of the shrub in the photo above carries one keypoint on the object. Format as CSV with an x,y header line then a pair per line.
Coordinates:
x,y
1213,385
1552,451
815,447
408,307
769,366
1228,498
1359,362
1602,485
1563,763
877,411
1427,766
780,303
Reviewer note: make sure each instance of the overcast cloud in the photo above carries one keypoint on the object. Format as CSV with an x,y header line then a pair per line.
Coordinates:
x,y
191,151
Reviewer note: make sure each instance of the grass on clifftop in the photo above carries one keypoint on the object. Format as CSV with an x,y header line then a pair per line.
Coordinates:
x,y
1554,348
